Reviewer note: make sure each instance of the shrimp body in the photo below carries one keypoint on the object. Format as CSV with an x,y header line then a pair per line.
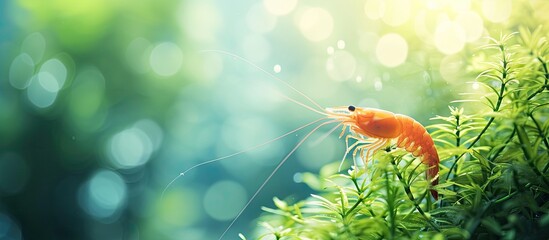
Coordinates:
x,y
385,127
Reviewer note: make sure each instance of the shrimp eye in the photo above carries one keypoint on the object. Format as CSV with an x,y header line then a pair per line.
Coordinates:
x,y
351,108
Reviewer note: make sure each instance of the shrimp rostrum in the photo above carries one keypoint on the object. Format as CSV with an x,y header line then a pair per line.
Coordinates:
x,y
382,128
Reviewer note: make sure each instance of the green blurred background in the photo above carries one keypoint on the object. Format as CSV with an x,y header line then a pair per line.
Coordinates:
x,y
103,103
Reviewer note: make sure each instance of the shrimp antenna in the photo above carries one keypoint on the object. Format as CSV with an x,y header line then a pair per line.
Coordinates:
x,y
326,135
239,152
268,73
273,173
302,104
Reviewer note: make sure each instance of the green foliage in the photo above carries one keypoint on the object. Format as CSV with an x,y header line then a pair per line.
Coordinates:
x,y
494,181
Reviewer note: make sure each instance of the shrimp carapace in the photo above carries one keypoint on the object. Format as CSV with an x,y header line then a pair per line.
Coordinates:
x,y
385,127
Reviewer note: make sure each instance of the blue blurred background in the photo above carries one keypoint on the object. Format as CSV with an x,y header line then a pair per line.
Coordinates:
x,y
103,103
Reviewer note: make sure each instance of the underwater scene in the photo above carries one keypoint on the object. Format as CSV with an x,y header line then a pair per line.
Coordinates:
x,y
274,119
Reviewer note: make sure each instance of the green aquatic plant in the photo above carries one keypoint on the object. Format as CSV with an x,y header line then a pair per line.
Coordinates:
x,y
494,180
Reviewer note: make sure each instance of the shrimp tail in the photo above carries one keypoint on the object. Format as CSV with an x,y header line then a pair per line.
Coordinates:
x,y
431,159
416,140
432,173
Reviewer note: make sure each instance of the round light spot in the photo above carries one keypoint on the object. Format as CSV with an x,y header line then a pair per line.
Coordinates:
x,y
153,131
48,82
86,98
34,45
378,85
298,177
330,50
9,229
472,24
375,9
57,72
459,6
449,37
358,79
39,93
277,68
166,59
496,10
341,44
391,50
475,86
451,67
103,196
397,13
137,55
233,197
259,20
341,66
279,7
203,12
130,148
424,25
316,24
179,207
21,71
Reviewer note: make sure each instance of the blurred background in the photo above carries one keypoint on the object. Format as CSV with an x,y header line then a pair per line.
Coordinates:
x,y
103,103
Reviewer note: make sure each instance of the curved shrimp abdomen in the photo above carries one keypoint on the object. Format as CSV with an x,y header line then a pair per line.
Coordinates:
x,y
416,140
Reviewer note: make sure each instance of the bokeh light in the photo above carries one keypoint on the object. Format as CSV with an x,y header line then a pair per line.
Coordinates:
x,y
277,68
42,90
103,196
398,13
391,50
280,7
224,199
138,53
496,10
207,15
472,24
86,105
133,147
316,24
375,9
166,59
21,71
341,65
34,45
449,37
57,70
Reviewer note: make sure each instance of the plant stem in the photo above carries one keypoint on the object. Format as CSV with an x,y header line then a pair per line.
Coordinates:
x,y
360,198
458,140
506,143
496,108
411,196
524,144
546,76
545,142
390,206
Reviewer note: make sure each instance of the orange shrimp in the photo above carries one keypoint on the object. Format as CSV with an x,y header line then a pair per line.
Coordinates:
x,y
373,128
385,127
